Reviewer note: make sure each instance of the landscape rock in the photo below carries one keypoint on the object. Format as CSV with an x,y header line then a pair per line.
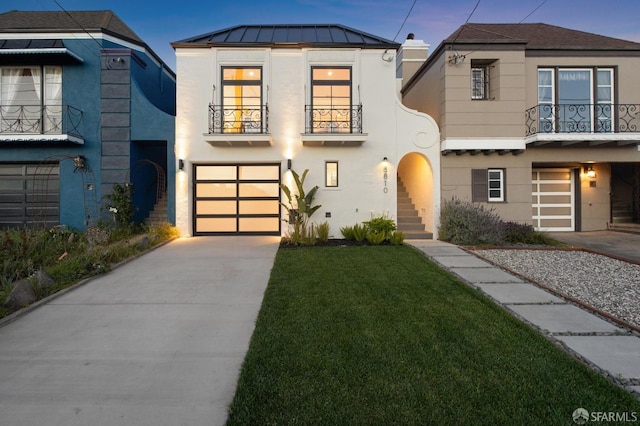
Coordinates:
x,y
21,295
41,279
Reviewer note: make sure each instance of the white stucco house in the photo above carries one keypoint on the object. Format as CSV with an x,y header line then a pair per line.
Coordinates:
x,y
254,101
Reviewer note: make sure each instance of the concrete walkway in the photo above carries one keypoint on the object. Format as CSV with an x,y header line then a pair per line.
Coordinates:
x,y
158,341
613,350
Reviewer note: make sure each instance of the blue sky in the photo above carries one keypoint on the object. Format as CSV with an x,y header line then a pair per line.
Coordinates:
x,y
160,22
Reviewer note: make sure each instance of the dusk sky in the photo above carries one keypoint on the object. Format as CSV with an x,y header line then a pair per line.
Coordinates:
x,y
160,22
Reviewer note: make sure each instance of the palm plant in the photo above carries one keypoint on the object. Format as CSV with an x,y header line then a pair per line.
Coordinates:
x,y
300,206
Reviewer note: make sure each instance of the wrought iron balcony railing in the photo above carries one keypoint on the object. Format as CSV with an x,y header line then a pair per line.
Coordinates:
x,y
327,119
582,118
40,120
238,120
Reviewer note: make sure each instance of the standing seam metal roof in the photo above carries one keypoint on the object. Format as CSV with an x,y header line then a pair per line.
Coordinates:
x,y
305,34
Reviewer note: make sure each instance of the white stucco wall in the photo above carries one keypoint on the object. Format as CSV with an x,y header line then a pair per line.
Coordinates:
x,y
392,130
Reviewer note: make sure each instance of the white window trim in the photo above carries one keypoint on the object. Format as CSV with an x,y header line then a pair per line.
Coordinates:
x,y
501,197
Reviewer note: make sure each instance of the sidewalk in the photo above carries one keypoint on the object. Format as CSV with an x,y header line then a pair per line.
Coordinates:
x,y
613,350
157,341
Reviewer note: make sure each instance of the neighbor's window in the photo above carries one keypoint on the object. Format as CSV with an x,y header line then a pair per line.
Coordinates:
x,y
496,185
31,99
242,100
331,174
331,99
488,185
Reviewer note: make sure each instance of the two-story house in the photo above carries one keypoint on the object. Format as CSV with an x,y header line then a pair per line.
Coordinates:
x,y
254,101
84,104
538,121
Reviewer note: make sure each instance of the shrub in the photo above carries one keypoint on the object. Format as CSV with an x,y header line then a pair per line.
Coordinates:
x,y
376,238
359,232
381,224
396,238
462,222
347,232
121,204
521,233
322,231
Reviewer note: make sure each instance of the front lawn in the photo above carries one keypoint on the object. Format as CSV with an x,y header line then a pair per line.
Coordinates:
x,y
379,335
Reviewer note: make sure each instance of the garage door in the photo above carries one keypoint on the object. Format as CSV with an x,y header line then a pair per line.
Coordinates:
x,y
553,200
29,195
237,199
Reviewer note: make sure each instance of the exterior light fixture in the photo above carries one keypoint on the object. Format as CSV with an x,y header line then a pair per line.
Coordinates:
x,y
385,159
79,162
289,164
589,172
181,164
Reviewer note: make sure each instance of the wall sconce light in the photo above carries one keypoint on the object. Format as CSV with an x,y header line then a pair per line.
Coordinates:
x,y
181,164
79,162
289,164
385,159
589,172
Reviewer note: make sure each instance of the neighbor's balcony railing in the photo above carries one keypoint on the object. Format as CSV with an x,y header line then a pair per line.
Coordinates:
x,y
238,120
40,120
582,118
324,119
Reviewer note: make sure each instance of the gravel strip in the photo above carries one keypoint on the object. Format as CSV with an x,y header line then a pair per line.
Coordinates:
x,y
610,285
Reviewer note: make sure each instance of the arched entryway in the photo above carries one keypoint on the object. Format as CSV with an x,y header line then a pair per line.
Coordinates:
x,y
417,207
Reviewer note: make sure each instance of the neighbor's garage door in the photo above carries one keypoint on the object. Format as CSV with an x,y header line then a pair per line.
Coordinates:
x,y
237,199
553,200
29,195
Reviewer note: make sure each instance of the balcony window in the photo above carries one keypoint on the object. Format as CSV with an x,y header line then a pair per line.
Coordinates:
x,y
242,110
331,109
31,100
575,100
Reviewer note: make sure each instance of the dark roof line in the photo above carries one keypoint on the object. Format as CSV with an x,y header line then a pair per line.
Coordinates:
x,y
80,21
537,36
288,35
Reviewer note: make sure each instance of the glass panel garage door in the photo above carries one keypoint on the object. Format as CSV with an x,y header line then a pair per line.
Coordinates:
x,y
237,199
29,195
553,200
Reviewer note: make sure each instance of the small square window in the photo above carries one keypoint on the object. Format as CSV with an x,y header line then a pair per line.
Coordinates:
x,y
331,174
496,185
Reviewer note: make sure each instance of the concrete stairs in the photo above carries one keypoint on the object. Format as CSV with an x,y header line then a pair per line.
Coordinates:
x,y
622,217
159,214
409,221
621,212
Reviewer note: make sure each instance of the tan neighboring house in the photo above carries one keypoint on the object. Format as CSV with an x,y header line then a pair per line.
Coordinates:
x,y
538,121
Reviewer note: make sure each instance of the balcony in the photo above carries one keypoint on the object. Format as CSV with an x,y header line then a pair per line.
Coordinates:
x,y
37,123
333,126
233,126
590,124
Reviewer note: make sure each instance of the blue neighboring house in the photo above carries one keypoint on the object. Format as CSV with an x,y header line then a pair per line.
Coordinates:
x,y
84,104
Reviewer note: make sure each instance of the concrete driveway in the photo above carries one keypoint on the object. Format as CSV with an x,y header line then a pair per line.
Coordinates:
x,y
622,245
158,341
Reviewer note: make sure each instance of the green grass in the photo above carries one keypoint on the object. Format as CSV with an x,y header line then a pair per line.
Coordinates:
x,y
380,335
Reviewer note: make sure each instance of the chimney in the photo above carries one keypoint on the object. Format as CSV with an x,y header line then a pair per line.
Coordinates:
x,y
411,56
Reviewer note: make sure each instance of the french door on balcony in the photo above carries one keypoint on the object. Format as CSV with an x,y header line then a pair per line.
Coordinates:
x,y
237,199
576,100
31,99
242,110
